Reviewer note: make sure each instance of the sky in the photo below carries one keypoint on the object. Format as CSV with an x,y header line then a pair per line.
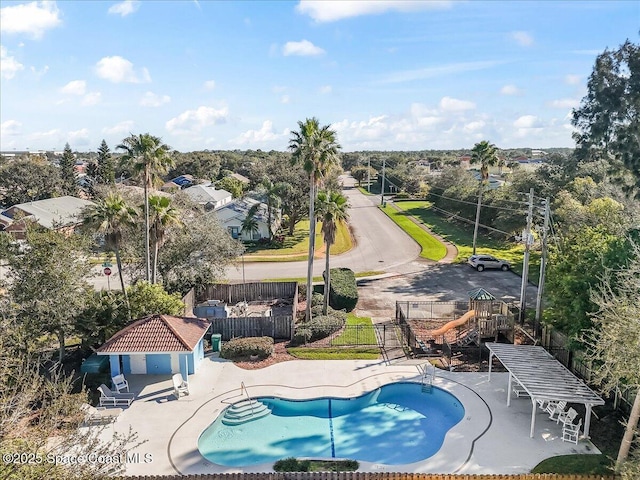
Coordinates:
x,y
226,75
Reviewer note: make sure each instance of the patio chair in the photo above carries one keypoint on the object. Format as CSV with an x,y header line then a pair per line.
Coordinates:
x,y
107,397
180,387
567,416
93,415
543,404
555,408
120,383
519,390
571,432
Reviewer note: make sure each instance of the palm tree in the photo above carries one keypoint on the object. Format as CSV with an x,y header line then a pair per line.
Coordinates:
x,y
163,215
110,217
317,148
151,158
485,154
271,192
250,223
332,210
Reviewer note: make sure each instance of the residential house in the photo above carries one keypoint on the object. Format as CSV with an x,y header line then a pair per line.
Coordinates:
x,y
59,213
208,196
240,178
233,214
157,344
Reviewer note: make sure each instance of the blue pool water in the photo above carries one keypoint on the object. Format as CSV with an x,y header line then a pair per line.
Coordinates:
x,y
395,424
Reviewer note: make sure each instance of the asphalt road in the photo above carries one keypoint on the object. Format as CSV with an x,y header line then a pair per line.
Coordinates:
x,y
380,245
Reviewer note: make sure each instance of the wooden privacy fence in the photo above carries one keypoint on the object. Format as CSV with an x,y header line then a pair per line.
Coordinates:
x,y
233,293
230,327
370,476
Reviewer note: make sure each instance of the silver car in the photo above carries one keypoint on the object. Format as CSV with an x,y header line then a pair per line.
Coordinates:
x,y
481,262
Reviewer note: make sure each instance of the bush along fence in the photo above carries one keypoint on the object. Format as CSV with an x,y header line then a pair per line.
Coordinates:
x,y
343,289
370,476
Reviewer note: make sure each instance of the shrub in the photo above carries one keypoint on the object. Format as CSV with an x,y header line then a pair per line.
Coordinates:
x,y
344,291
338,314
318,328
240,348
291,464
316,299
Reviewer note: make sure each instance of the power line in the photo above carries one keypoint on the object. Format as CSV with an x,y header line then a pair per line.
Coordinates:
x,y
518,202
458,217
473,203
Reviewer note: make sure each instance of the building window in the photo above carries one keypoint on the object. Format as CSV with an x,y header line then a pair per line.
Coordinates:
x,y
234,232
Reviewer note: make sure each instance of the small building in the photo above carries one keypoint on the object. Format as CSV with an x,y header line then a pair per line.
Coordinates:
x,y
59,213
208,196
157,344
240,178
232,216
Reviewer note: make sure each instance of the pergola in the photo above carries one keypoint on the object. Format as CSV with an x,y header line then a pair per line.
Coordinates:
x,y
543,378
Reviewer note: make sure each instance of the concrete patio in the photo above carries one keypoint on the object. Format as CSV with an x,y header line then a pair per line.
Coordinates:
x,y
492,438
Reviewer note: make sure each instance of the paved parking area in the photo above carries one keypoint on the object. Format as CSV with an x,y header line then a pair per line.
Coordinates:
x,y
435,282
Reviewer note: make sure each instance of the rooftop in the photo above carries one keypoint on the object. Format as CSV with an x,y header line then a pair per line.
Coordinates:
x,y
51,212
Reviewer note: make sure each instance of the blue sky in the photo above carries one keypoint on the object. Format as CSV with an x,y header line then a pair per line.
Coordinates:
x,y
388,75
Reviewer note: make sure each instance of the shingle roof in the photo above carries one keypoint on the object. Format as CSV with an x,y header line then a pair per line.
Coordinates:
x,y
157,333
51,212
206,194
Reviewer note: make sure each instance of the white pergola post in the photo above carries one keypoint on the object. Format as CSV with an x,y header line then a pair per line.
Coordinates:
x,y
490,362
587,420
509,390
533,417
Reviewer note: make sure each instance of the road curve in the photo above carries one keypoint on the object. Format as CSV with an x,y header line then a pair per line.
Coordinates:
x,y
380,245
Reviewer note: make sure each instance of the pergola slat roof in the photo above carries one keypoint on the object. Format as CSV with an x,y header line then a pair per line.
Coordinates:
x,y
542,376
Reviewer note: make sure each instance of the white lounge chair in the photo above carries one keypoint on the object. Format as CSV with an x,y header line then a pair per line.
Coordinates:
x,y
120,383
107,397
554,408
94,415
180,387
567,416
519,390
571,432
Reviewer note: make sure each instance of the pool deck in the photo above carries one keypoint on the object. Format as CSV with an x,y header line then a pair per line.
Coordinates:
x,y
491,439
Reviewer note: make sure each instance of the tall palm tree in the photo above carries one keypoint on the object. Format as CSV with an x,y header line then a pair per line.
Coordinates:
x,y
271,192
150,158
486,154
111,216
162,215
332,210
316,148
250,222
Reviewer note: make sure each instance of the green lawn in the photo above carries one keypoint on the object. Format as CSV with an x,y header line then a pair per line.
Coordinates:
x,y
335,353
361,332
432,248
576,464
462,237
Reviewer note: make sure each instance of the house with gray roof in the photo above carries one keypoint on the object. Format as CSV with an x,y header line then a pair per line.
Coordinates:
x,y
59,213
233,214
208,196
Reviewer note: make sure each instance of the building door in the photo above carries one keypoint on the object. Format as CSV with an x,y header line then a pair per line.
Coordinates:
x,y
139,364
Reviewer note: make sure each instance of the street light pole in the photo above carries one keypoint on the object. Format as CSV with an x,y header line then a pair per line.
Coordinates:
x,y
369,175
384,161
543,266
525,264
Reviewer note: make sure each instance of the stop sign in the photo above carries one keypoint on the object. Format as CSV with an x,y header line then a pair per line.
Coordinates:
x,y
107,271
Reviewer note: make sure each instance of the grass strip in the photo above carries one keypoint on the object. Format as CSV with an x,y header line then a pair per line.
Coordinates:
x,y
335,353
360,333
576,464
432,248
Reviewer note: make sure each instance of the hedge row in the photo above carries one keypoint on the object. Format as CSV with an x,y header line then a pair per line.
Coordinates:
x,y
344,291
241,348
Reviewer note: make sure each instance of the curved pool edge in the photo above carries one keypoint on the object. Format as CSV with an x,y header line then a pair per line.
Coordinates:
x,y
185,457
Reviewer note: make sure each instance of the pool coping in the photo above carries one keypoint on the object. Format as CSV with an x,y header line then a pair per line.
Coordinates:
x,y
456,450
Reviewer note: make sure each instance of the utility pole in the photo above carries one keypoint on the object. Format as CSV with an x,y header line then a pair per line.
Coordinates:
x,y
368,174
543,265
525,264
384,162
475,229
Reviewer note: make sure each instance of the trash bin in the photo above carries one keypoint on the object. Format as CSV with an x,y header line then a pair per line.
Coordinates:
x,y
216,339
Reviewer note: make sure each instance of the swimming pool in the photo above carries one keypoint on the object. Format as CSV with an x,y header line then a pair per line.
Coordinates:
x,y
393,425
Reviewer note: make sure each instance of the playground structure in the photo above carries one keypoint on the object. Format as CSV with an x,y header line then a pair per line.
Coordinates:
x,y
444,329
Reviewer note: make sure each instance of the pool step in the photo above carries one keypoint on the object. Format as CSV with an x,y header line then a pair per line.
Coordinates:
x,y
245,411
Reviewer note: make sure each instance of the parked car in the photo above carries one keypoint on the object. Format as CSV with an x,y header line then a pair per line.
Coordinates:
x,y
481,262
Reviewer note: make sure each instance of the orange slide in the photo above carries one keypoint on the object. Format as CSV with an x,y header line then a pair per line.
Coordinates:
x,y
454,323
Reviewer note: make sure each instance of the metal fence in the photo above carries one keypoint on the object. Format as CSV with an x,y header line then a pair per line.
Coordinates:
x,y
354,336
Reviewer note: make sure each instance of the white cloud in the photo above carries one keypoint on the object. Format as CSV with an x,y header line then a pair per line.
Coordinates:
x,y
92,98
32,18
41,72
437,71
10,127
9,66
118,70
303,48
75,87
192,121
125,8
209,84
448,104
285,99
122,128
150,99
324,11
510,90
53,136
572,79
474,126
79,137
527,121
257,138
564,103
326,89
524,39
